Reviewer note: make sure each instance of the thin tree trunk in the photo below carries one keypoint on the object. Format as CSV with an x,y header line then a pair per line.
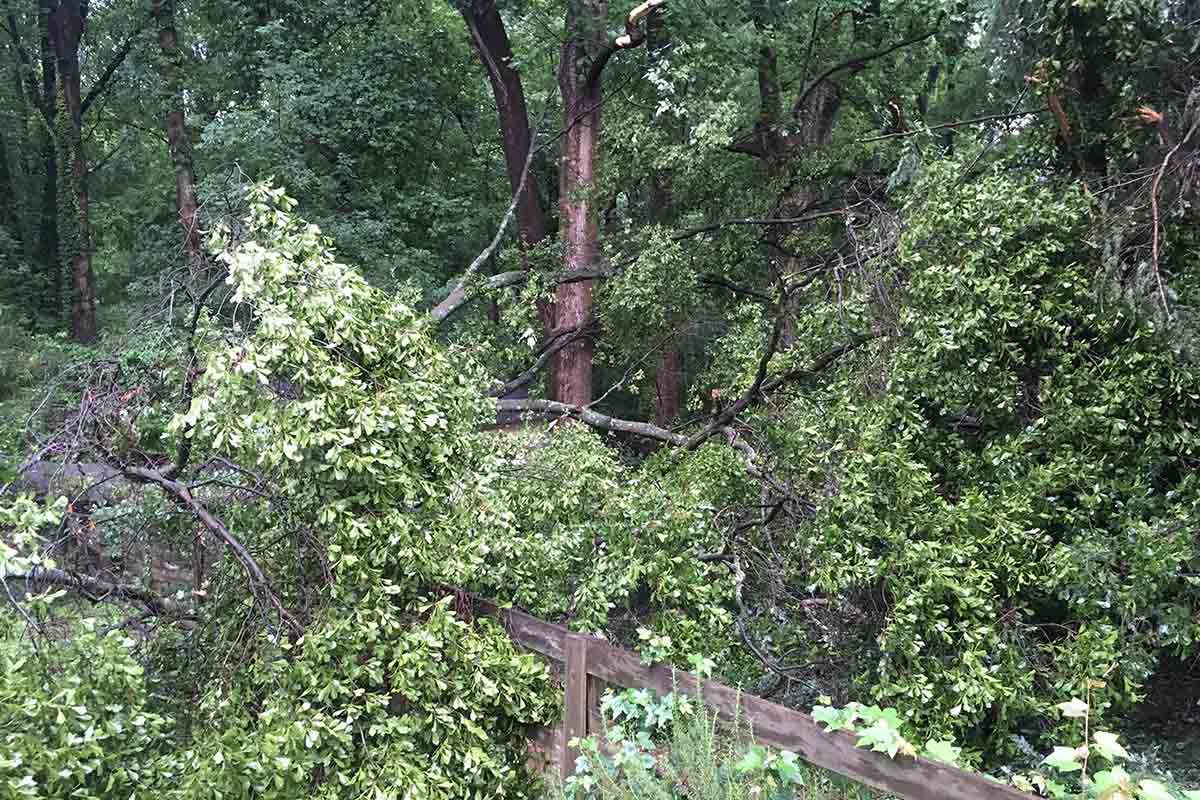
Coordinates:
x,y
66,31
179,139
668,385
49,252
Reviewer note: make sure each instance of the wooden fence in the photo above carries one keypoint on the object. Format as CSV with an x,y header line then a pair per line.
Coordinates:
x,y
592,663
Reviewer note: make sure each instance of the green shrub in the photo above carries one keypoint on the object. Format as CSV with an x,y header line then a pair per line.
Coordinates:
x,y
76,719
665,748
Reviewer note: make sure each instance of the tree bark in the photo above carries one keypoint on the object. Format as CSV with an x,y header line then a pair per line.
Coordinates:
x,y
490,39
179,138
668,385
580,88
49,254
66,24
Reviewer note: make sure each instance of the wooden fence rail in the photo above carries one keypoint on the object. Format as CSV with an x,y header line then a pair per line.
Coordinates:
x,y
590,663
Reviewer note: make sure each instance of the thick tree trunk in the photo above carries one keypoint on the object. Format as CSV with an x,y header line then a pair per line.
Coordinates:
x,y
491,42
577,215
179,139
490,39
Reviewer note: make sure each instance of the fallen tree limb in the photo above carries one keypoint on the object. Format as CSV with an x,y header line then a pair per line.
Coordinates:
x,y
458,295
594,419
259,584
95,590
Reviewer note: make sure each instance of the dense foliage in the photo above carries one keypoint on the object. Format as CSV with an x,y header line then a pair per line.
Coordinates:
x,y
851,347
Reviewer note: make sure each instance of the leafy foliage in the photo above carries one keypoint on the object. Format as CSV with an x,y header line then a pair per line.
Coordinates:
x,y
83,726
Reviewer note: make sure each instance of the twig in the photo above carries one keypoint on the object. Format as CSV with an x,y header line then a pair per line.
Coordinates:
x,y
1162,170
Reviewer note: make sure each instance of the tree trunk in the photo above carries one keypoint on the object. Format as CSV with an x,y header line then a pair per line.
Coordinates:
x,y
66,31
179,139
49,252
577,216
668,385
490,39
495,53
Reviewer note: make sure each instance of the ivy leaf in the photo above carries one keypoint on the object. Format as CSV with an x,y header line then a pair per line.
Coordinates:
x,y
944,751
1063,760
1108,746
828,715
1108,782
754,760
1073,708
882,738
1153,790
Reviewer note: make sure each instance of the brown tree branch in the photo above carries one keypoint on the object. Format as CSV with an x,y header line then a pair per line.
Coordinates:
x,y
1158,176
548,351
855,63
259,584
738,406
458,295
102,82
594,419
632,37
955,124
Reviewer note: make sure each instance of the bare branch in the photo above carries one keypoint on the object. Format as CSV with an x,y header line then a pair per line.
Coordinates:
x,y
738,406
258,580
594,419
119,58
549,350
458,295
956,124
1158,176
855,63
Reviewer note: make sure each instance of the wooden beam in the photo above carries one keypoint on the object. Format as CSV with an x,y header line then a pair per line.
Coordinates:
x,y
575,701
771,724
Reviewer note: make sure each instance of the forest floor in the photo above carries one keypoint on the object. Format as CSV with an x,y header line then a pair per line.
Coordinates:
x,y
1165,729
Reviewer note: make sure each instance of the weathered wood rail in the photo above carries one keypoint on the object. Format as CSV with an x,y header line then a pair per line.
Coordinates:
x,y
591,663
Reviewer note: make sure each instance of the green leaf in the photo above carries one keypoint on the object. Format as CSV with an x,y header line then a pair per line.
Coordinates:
x,y
1073,708
754,759
1063,759
1153,790
1108,778
940,750
1108,746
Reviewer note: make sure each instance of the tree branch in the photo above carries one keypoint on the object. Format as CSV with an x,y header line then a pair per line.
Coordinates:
x,y
956,124
96,590
633,37
738,406
258,580
855,63
184,450
548,351
102,82
458,295
594,419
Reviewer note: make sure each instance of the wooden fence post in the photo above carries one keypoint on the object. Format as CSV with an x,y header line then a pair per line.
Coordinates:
x,y
575,702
